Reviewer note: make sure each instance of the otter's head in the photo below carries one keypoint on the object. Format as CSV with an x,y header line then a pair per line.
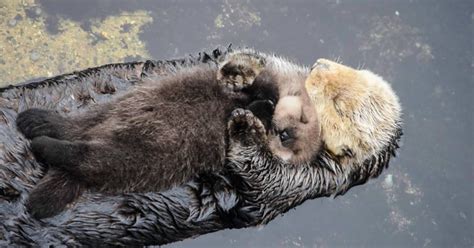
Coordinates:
x,y
358,111
295,134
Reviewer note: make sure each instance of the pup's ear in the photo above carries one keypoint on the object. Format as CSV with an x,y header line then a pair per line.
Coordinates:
x,y
239,70
304,116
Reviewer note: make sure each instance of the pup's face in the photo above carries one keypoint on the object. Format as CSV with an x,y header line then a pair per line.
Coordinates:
x,y
295,136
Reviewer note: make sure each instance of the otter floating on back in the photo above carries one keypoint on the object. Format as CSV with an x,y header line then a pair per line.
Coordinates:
x,y
192,209
166,132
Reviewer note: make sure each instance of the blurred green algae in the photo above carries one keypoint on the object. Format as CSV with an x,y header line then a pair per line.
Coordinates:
x,y
28,50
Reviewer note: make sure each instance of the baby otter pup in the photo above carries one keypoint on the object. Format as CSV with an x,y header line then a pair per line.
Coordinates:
x,y
168,131
296,130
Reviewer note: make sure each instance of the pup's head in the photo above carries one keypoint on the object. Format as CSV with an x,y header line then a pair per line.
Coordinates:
x,y
358,111
294,133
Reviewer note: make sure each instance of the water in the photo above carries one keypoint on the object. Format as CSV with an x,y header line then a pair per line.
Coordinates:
x,y
424,48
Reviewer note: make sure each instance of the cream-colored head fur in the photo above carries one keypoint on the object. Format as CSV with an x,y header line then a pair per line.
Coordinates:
x,y
357,109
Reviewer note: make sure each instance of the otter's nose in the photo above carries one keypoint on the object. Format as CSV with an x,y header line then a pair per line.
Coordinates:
x,y
321,64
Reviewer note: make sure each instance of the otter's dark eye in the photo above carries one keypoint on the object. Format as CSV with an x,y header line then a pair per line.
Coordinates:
x,y
284,135
287,137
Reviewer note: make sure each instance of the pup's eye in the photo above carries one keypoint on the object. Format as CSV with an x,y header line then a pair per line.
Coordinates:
x,y
284,135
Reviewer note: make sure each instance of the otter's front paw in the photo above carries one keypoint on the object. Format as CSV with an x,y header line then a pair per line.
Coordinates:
x,y
234,83
245,128
39,122
239,70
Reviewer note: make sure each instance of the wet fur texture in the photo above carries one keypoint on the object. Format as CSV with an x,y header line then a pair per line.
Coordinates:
x,y
161,136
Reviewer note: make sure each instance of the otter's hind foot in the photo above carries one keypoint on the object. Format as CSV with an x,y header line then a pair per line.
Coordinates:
x,y
59,153
39,122
52,195
245,128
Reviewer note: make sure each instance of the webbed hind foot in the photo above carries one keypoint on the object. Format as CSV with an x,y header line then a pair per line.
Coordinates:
x,y
39,122
61,154
52,195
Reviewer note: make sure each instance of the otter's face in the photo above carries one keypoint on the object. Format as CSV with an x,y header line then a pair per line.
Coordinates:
x,y
358,110
295,136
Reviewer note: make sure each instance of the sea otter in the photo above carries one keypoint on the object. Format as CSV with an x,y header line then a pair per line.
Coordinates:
x,y
192,209
167,131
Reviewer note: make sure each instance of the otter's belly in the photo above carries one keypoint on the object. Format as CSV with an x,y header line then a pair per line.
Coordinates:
x,y
169,147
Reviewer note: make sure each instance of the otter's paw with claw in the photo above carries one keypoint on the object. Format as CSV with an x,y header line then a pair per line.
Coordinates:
x,y
239,70
245,128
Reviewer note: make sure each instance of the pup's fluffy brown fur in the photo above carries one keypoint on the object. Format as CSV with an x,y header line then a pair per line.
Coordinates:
x,y
167,131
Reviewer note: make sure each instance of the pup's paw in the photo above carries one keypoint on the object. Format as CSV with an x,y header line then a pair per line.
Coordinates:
x,y
245,128
55,192
39,122
39,204
239,70
60,154
40,148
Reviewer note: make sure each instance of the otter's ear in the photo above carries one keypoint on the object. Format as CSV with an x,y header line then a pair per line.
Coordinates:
x,y
239,70
304,118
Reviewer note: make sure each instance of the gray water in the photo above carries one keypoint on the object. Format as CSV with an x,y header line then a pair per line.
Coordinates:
x,y
424,48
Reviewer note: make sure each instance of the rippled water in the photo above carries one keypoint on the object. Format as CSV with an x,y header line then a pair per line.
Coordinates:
x,y
424,48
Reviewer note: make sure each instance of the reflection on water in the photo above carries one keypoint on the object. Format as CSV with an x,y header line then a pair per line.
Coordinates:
x,y
425,198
